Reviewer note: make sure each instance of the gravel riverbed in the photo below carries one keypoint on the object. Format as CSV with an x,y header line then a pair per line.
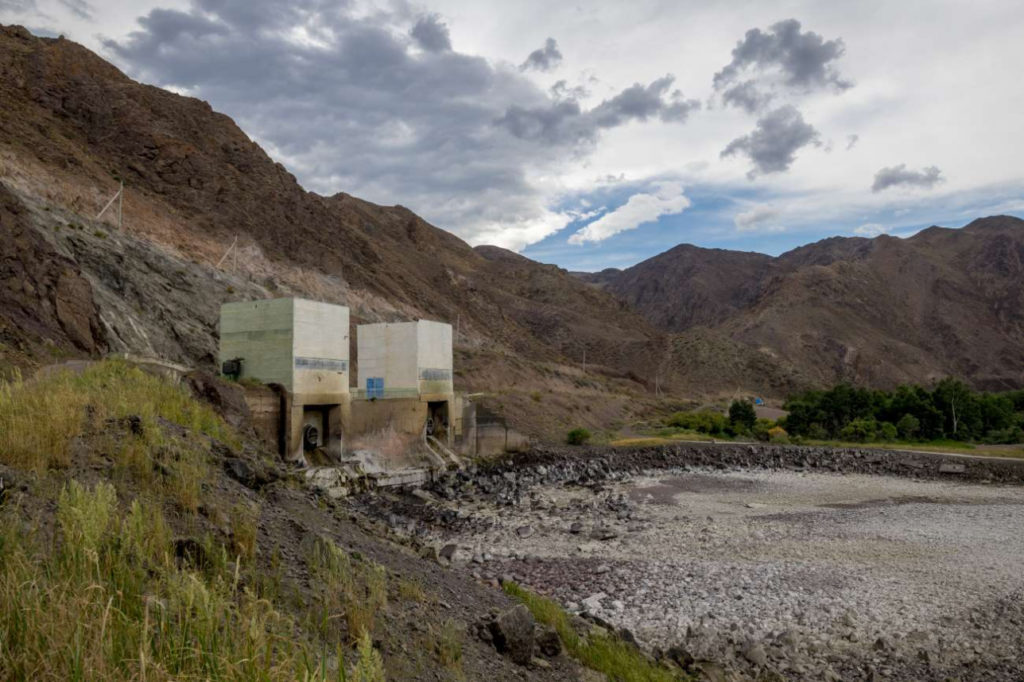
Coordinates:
x,y
799,574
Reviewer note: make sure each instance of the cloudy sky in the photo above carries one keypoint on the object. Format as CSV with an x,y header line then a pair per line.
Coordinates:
x,y
598,134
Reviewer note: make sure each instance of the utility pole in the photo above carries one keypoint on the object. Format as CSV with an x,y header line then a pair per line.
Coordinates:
x,y
120,205
110,203
230,249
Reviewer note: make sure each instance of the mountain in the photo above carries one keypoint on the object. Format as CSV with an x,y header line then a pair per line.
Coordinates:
x,y
73,126
871,311
210,217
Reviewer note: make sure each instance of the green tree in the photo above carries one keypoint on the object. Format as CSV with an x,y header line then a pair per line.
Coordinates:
x,y
887,432
860,430
742,414
908,426
761,428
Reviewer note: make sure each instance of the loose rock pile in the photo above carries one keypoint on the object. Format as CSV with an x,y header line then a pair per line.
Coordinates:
x,y
848,585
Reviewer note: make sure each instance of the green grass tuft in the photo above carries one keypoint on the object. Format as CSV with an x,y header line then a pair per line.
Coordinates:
x,y
605,653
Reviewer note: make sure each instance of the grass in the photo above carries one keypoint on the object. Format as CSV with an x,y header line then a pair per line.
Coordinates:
x,y
351,588
411,590
110,601
94,583
950,446
603,652
665,436
126,414
446,642
41,418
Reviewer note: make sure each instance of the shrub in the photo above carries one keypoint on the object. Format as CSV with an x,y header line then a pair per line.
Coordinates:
x,y
742,414
908,427
578,436
706,421
887,431
761,428
860,430
777,434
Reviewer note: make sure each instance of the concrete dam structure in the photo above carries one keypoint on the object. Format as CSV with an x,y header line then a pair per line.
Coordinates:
x,y
296,355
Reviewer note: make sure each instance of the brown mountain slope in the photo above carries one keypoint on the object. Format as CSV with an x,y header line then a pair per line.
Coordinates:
x,y
688,286
872,311
72,125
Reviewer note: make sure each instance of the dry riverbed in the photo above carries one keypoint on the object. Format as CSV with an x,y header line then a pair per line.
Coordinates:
x,y
807,575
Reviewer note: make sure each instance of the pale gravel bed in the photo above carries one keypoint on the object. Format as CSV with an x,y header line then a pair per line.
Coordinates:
x,y
841,565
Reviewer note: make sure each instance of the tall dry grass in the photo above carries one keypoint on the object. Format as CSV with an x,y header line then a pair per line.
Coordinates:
x,y
40,418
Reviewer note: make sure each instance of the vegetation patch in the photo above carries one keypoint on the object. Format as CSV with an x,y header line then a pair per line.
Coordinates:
x,y
598,650
949,411
112,599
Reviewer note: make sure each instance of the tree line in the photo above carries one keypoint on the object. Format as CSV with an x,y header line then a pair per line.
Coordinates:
x,y
950,410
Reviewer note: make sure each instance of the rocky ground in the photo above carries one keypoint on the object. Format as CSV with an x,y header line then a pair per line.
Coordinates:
x,y
797,573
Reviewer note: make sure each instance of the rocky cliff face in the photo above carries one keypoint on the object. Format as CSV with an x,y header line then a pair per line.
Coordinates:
x,y
48,306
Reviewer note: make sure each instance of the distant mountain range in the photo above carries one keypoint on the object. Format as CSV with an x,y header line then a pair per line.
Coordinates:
x,y
872,311
551,349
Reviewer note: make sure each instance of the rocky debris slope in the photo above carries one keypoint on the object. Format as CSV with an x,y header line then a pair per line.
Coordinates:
x,y
507,481
763,560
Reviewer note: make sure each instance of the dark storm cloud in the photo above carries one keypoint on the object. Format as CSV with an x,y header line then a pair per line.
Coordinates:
x,y
544,58
565,123
899,176
348,104
784,57
773,145
432,34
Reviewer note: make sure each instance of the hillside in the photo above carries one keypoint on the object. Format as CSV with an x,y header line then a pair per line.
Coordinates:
x,y
73,126
872,311
548,349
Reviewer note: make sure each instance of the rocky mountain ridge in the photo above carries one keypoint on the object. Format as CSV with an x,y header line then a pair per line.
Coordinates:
x,y
872,311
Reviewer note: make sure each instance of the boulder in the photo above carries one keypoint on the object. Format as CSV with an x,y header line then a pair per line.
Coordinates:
x,y
513,634
548,641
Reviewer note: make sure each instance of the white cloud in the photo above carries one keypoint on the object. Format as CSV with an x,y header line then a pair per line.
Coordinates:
x,y
871,230
667,199
760,217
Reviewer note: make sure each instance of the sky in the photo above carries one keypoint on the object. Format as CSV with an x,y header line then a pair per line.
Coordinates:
x,y
598,134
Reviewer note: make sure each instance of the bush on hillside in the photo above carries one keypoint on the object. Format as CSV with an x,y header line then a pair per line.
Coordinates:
x,y
706,421
578,436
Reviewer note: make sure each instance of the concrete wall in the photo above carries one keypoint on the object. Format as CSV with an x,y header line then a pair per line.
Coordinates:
x,y
434,357
299,344
404,415
410,356
320,347
265,406
261,333
388,350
